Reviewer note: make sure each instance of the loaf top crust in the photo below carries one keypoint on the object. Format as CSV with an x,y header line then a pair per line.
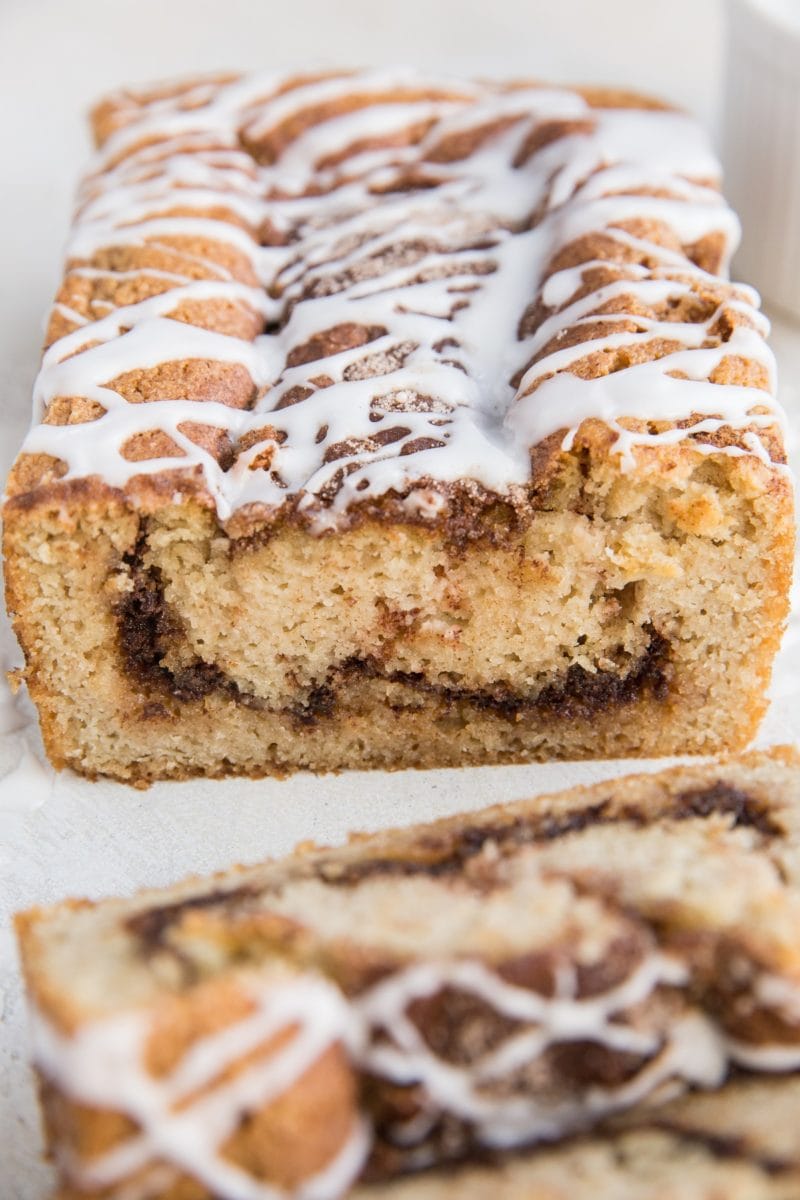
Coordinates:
x,y
321,293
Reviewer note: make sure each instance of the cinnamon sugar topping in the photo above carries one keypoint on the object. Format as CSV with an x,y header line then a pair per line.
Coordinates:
x,y
495,263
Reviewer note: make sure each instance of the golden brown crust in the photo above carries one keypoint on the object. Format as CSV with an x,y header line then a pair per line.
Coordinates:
x,y
198,256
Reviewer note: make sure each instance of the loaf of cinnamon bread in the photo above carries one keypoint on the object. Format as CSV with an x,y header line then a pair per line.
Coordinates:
x,y
388,420
607,969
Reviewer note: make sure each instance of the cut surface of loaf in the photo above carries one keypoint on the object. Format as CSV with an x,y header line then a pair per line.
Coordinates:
x,y
739,1143
587,965
388,420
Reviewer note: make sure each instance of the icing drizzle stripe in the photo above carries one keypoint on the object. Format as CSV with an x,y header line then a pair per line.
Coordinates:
x,y
434,212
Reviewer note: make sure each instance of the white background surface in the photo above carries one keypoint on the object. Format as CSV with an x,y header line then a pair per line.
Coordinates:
x,y
62,836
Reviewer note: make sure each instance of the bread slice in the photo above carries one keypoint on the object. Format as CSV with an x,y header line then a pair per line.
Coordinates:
x,y
739,1143
389,420
513,977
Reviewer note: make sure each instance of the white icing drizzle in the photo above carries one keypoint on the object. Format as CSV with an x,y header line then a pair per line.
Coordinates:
x,y
783,997
689,1051
461,263
184,1119
103,1065
764,1058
